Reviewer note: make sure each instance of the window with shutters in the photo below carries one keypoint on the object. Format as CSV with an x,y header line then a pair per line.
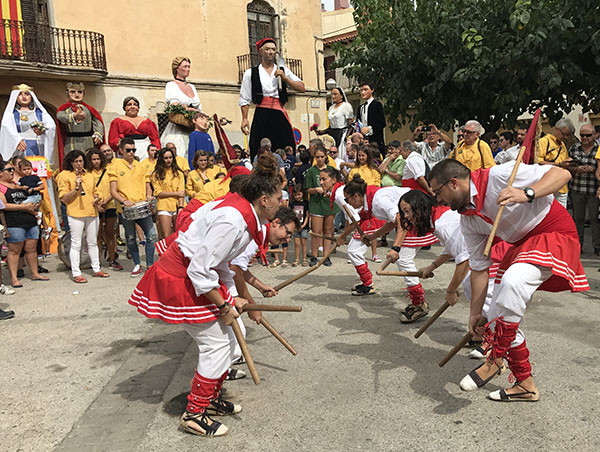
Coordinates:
x,y
261,24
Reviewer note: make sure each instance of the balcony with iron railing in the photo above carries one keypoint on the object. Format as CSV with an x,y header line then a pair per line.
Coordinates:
x,y
32,46
249,60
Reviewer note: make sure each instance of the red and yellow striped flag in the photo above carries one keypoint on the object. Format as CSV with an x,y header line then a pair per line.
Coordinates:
x,y
11,36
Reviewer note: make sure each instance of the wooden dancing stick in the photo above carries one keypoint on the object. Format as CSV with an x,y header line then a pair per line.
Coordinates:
x,y
433,318
302,274
278,336
354,222
270,307
326,237
400,273
244,347
466,338
385,263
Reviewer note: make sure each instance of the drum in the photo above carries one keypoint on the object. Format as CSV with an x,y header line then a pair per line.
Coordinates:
x,y
138,211
64,247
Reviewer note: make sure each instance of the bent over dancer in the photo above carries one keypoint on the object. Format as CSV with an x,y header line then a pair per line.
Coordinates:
x,y
544,255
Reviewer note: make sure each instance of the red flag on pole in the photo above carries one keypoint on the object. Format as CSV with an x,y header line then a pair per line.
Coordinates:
x,y
227,151
528,142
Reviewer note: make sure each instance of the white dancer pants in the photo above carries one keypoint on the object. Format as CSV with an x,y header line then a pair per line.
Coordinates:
x,y
406,263
77,226
516,288
217,346
466,284
356,251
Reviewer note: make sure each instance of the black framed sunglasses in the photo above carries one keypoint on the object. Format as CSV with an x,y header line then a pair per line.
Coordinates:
x,y
12,170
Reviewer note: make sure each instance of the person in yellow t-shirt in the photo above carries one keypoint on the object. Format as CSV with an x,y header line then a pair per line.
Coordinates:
x,y
127,186
214,189
168,182
553,151
471,151
366,168
77,189
182,162
200,175
150,162
107,207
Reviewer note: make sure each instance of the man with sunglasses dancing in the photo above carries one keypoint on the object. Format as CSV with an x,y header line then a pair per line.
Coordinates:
x,y
544,256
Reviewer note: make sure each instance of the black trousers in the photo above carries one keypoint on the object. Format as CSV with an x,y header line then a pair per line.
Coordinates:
x,y
272,124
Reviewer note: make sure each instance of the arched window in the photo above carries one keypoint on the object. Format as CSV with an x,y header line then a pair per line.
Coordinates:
x,y
261,24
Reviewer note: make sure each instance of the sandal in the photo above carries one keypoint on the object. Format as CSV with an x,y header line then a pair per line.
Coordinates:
x,y
503,396
284,263
473,381
414,312
295,263
236,374
305,263
275,263
220,407
79,279
197,424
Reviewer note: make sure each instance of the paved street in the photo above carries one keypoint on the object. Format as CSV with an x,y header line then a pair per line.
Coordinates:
x,y
84,372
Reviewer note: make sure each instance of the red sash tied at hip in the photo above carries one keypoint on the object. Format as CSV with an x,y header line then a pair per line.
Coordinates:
x,y
274,104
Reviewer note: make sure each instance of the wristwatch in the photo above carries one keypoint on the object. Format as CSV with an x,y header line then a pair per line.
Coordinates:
x,y
396,249
530,193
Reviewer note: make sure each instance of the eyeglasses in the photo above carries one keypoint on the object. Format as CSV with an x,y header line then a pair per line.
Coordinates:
x,y
493,141
130,150
586,135
288,233
436,192
12,170
335,152
469,132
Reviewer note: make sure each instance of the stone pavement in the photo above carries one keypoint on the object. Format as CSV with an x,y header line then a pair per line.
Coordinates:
x,y
84,372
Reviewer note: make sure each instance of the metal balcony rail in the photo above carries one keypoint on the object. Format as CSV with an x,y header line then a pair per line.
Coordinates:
x,y
38,43
247,61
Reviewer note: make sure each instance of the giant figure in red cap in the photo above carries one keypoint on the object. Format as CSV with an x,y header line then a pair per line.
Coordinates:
x,y
260,86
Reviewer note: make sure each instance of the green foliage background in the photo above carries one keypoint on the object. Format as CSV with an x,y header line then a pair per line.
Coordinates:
x,y
490,60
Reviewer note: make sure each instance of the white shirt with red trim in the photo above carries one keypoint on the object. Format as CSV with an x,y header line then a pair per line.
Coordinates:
x,y
211,241
448,231
385,203
340,200
246,256
517,220
415,166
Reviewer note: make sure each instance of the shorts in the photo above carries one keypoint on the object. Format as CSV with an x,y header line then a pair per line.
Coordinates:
x,y
303,234
108,213
167,213
18,235
36,198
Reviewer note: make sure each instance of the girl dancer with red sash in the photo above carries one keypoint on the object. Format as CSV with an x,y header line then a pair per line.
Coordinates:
x,y
191,284
544,256
421,212
382,203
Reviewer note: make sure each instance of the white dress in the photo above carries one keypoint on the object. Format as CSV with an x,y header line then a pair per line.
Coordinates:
x,y
338,119
174,133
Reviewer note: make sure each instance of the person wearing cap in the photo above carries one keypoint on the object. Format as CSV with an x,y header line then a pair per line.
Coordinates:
x,y
260,86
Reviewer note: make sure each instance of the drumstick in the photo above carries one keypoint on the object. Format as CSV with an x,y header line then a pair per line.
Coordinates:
x,y
386,262
466,338
307,271
270,307
244,347
401,273
433,318
278,336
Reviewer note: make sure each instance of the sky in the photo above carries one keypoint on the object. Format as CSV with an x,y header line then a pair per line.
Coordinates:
x,y
328,4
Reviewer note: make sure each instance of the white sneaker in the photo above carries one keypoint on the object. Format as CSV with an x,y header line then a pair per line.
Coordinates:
x,y
6,290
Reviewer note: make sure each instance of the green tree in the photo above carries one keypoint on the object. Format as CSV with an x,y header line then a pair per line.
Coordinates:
x,y
491,60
